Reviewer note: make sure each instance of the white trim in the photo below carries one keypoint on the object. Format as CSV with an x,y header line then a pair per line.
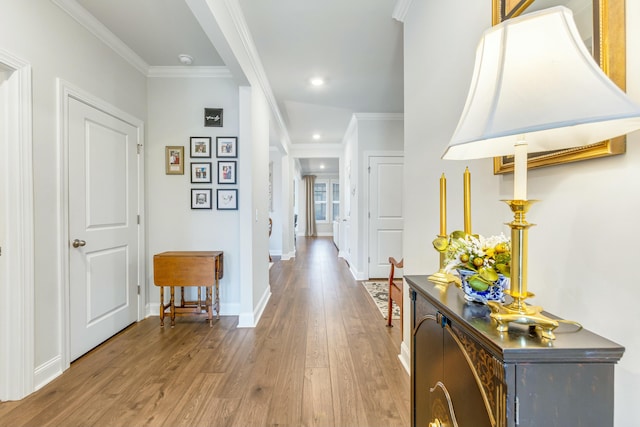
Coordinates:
x,y
17,336
366,158
98,29
189,72
48,371
250,320
378,116
405,357
288,256
235,11
357,275
401,9
65,91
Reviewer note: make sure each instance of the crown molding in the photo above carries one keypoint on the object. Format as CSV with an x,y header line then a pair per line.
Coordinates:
x,y
241,27
189,72
87,20
401,9
378,116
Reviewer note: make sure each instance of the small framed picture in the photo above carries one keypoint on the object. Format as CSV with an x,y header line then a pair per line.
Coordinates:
x,y
174,160
200,173
227,172
200,146
227,146
227,199
213,117
200,198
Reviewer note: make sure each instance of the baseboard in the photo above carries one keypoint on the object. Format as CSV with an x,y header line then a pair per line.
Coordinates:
x,y
287,257
405,357
356,274
275,252
47,372
250,320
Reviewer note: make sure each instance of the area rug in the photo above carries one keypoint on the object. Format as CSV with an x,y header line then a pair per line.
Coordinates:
x,y
379,292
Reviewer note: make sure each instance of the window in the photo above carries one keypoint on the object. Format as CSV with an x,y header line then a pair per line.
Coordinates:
x,y
320,200
326,197
335,200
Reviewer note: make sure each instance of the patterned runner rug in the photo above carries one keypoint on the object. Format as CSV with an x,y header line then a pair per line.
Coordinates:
x,y
379,292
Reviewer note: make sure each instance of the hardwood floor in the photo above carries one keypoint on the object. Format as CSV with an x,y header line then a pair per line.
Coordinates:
x,y
320,356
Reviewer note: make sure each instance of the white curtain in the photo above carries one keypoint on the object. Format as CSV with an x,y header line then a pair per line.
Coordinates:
x,y
309,184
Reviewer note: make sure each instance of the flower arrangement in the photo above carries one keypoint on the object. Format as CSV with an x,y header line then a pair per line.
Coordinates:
x,y
486,257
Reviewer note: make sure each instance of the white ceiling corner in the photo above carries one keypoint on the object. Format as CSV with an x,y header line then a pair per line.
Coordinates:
x,y
401,9
87,20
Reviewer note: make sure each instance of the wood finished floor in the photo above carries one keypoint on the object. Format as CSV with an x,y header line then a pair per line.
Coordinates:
x,y
320,356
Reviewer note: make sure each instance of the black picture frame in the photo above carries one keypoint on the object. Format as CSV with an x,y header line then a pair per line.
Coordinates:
x,y
200,172
227,172
200,147
201,198
213,117
227,146
227,199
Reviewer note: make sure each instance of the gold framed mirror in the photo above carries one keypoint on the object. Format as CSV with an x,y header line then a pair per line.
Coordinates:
x,y
602,26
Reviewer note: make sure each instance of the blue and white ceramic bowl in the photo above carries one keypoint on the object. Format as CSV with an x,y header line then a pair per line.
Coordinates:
x,y
493,293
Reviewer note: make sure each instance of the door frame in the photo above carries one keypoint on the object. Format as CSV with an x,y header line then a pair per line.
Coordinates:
x,y
17,338
367,155
65,92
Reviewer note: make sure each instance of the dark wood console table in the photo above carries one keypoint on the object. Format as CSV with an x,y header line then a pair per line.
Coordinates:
x,y
466,373
189,268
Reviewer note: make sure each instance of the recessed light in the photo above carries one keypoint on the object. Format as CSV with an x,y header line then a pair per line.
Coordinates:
x,y
185,59
316,136
321,166
317,81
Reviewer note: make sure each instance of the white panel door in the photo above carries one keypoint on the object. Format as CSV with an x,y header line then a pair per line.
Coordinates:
x,y
386,220
103,253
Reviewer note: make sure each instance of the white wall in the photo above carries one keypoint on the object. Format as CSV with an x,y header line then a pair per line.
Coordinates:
x,y
281,241
254,202
368,134
176,108
275,209
585,241
56,46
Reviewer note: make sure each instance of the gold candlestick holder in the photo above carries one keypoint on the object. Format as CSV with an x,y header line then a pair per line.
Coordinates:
x,y
442,278
518,311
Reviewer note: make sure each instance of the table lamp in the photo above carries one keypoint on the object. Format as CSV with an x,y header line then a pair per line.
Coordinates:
x,y
535,87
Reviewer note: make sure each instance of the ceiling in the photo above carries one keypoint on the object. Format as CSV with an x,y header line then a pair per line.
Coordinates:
x,y
355,45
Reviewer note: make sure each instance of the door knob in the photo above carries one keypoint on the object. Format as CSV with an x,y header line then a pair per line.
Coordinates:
x,y
436,423
77,243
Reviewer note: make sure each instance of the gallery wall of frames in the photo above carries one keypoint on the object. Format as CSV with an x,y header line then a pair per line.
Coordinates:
x,y
202,166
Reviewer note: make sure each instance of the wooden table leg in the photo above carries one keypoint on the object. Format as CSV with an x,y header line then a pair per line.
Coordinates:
x,y
217,286
172,306
209,304
162,306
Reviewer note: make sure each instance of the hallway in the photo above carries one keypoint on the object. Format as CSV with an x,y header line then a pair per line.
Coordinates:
x,y
320,356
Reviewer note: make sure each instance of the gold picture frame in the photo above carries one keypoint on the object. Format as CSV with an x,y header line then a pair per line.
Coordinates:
x,y
174,160
609,50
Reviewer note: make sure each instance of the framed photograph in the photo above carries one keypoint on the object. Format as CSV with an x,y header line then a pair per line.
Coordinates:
x,y
200,198
213,117
174,160
200,173
227,146
200,146
227,199
227,172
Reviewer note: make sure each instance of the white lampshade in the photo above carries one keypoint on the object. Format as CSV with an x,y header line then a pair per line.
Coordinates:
x,y
534,78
